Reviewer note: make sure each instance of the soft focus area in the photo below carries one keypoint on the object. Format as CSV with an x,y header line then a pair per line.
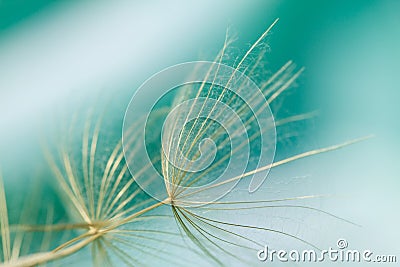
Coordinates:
x,y
56,54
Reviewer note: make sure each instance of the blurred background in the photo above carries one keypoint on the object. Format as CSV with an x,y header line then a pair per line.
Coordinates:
x,y
55,52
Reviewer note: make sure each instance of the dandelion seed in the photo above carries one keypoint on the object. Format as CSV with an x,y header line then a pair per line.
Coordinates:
x,y
211,138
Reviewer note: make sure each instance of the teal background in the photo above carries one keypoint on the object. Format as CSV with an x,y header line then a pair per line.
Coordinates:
x,y
54,52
